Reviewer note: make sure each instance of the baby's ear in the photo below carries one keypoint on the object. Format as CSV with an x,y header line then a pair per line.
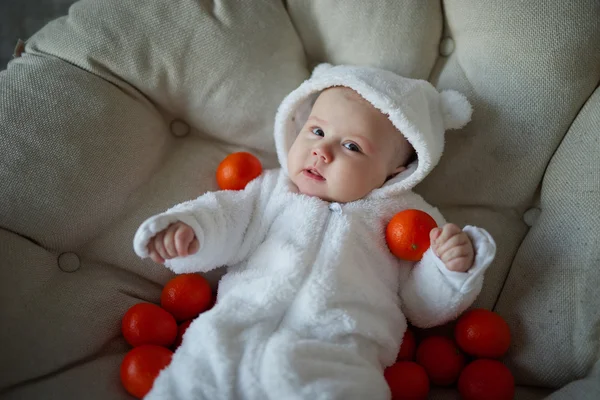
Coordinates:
x,y
396,171
399,169
456,109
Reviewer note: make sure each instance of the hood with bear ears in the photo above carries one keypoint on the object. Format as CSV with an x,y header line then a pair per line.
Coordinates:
x,y
414,106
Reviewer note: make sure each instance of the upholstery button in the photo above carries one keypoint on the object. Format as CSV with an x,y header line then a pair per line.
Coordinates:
x,y
179,128
446,46
531,216
68,262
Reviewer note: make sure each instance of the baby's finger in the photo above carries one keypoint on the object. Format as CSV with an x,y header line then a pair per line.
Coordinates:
x,y
454,241
183,237
434,234
169,241
455,252
460,264
159,245
156,258
154,255
448,231
194,246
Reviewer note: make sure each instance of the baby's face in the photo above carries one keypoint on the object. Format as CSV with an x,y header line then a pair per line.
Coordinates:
x,y
346,149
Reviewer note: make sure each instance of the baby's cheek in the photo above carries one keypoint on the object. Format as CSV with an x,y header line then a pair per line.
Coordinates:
x,y
293,156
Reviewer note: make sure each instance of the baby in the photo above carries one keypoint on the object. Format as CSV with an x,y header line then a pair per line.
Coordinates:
x,y
313,304
360,152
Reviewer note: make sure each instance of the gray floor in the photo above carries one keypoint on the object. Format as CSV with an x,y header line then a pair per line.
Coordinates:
x,y
19,19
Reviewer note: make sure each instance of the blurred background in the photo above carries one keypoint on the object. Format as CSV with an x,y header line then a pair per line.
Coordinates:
x,y
19,19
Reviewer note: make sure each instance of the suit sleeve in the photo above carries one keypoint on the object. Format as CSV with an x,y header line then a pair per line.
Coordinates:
x,y
221,221
431,294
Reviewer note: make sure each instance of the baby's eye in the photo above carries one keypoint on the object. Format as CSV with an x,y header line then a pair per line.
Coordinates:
x,y
352,147
318,132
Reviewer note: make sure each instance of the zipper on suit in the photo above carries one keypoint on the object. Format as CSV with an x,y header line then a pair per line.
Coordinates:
x,y
334,208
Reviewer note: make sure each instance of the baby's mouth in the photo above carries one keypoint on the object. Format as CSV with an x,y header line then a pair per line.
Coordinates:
x,y
312,173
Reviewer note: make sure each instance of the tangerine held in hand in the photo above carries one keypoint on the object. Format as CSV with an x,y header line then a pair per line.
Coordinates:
x,y
237,170
407,234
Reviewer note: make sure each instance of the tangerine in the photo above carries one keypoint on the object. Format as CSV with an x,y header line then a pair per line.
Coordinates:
x,y
442,360
482,333
180,331
186,295
146,323
141,366
407,234
407,380
485,379
236,170
408,347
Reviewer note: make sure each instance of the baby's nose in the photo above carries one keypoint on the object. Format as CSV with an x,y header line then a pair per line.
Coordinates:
x,y
322,153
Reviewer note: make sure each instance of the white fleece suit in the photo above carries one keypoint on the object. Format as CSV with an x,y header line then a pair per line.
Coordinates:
x,y
314,305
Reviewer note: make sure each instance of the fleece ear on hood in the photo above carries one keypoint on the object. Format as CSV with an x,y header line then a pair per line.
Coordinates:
x,y
414,106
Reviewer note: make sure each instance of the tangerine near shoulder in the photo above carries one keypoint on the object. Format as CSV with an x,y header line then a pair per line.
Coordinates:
x,y
407,234
237,170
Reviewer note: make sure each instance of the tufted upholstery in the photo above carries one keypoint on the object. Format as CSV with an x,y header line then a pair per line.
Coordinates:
x,y
125,107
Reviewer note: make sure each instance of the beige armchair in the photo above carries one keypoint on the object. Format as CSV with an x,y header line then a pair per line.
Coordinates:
x,y
123,108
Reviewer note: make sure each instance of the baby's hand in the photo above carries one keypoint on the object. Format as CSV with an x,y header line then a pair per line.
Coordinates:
x,y
177,240
453,247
